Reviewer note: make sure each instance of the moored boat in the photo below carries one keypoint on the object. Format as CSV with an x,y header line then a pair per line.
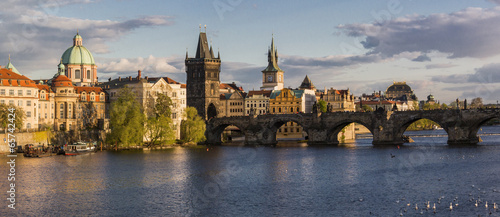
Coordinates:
x,y
79,148
37,151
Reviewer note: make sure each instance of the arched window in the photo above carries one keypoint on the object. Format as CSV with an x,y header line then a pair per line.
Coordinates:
x,y
88,74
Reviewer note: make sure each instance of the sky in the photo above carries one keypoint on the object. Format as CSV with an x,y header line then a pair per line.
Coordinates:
x,y
447,48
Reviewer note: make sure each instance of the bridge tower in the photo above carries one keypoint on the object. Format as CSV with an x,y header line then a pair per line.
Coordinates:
x,y
203,79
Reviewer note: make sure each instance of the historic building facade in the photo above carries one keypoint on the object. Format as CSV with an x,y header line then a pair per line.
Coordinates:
x,y
19,90
146,91
288,101
203,80
258,101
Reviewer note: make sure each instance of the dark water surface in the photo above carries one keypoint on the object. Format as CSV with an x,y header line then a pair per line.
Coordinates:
x,y
290,180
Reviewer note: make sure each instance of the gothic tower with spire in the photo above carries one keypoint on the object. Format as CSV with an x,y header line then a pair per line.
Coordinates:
x,y
272,76
203,79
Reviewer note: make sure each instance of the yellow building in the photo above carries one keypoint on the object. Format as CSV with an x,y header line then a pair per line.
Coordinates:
x,y
288,101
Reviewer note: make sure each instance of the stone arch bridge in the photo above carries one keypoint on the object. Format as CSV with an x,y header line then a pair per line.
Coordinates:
x,y
322,128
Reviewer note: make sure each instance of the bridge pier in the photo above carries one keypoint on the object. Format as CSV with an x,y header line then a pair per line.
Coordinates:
x,y
320,137
262,136
462,136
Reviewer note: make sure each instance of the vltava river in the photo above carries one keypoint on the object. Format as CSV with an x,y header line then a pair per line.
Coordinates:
x,y
289,180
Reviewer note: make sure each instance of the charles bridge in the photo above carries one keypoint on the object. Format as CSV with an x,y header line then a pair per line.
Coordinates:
x,y
387,127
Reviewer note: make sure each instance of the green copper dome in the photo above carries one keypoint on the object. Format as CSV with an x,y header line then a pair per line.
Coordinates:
x,y
78,54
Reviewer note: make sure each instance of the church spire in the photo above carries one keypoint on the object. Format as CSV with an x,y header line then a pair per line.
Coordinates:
x,y
203,51
11,67
272,58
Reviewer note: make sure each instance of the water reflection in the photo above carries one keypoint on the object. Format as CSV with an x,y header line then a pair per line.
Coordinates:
x,y
288,180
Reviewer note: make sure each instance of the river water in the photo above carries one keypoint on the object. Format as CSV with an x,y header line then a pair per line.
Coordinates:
x,y
289,180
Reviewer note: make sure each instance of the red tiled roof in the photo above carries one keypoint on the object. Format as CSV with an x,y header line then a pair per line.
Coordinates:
x,y
183,85
10,78
266,93
44,87
62,80
88,89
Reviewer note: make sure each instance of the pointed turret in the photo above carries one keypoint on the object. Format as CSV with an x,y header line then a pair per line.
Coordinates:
x,y
272,58
307,84
211,52
11,67
203,51
61,68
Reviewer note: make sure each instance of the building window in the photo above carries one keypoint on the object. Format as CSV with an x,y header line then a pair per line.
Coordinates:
x,y
28,125
77,74
101,98
174,115
45,115
11,102
11,92
19,92
2,92
2,101
20,103
28,103
92,98
28,92
52,115
88,74
28,114
45,105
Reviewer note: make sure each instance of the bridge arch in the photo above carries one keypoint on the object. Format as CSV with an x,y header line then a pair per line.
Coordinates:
x,y
401,129
476,126
216,128
333,132
278,123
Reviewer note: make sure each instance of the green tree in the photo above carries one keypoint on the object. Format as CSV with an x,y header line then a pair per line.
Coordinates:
x,y
477,102
160,130
367,108
444,106
192,127
17,119
322,105
159,126
127,120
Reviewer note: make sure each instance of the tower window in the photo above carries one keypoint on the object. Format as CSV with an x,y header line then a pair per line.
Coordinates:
x,y
88,74
77,74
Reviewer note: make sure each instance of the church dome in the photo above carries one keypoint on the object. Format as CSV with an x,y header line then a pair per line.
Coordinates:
x,y
430,97
399,86
77,54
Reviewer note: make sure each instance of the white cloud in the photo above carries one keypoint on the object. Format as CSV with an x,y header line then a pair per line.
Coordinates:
x,y
33,33
470,32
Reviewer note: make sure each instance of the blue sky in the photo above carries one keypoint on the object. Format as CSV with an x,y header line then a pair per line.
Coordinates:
x,y
448,48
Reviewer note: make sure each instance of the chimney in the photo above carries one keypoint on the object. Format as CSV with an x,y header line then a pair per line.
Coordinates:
x,y
119,78
130,78
139,74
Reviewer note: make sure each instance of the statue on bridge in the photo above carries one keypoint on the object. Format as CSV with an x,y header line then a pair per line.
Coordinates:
x,y
329,108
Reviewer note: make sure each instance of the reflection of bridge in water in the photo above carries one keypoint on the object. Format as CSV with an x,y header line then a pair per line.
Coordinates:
x,y
387,128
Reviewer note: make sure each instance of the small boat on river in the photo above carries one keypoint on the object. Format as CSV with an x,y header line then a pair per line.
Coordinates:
x,y
79,148
37,151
